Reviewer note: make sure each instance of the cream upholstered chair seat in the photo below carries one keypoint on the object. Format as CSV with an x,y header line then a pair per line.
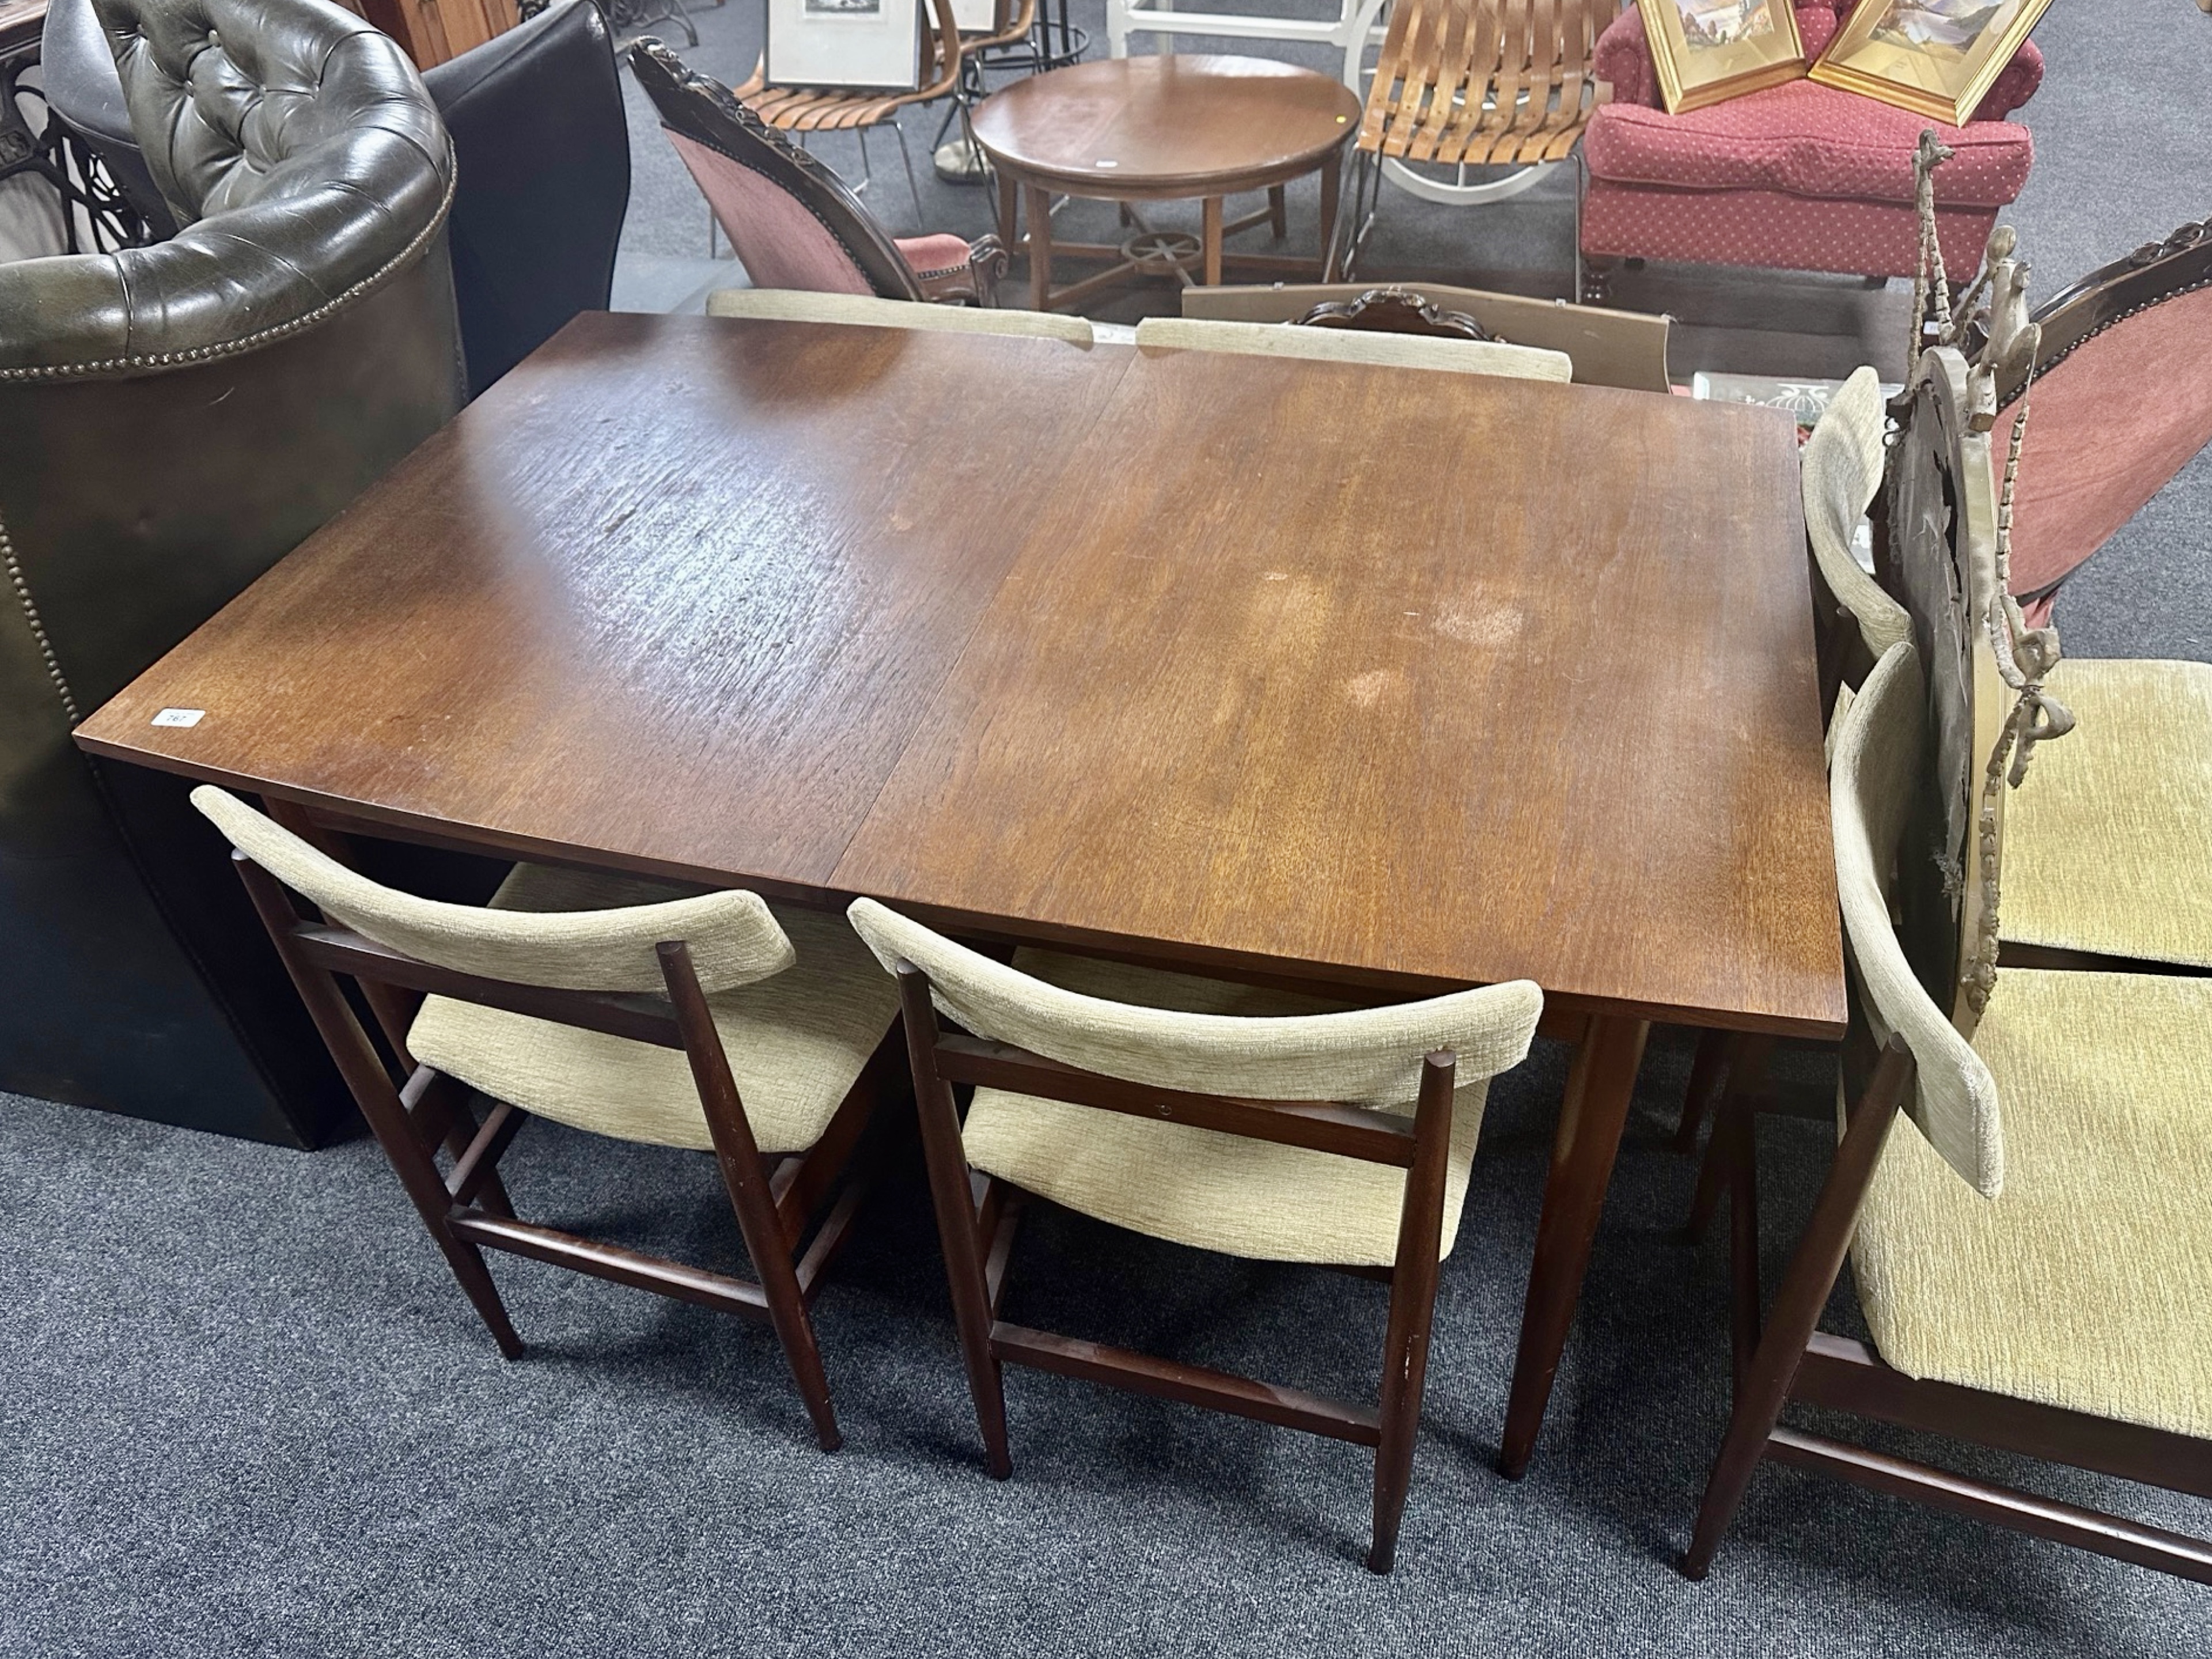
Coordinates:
x,y
1338,345
1198,1187
2108,846
796,1041
798,305
2087,1283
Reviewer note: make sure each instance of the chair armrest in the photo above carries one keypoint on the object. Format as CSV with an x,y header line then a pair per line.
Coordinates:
x,y
971,280
2014,85
1623,57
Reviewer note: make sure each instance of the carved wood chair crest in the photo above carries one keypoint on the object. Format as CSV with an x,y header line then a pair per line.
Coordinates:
x,y
1949,544
1395,310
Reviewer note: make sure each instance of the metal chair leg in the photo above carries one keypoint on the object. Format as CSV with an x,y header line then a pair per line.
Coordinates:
x,y
913,189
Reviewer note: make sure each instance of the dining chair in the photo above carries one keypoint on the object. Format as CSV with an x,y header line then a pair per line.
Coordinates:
x,y
2030,1247
791,220
798,306
2121,390
2119,400
1460,356
1467,83
1213,1116
837,109
626,1008
1624,349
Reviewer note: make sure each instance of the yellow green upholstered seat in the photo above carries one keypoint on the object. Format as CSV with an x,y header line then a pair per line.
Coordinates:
x,y
2108,844
1197,1186
1200,1187
796,1041
2087,1282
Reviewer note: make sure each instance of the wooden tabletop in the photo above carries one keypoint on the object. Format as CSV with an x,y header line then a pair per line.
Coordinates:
x,y
1375,676
1191,123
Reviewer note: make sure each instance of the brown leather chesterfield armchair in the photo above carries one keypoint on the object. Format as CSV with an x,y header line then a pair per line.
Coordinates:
x,y
173,420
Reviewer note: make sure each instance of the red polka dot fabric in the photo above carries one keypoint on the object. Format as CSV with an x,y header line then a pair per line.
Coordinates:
x,y
1796,177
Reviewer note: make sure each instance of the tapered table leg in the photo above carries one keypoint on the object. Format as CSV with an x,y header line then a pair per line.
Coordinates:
x,y
1211,236
1036,203
1599,1086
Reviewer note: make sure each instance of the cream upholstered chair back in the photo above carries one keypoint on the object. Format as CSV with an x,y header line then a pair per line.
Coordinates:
x,y
797,306
1349,346
1874,782
1368,1057
1841,470
733,939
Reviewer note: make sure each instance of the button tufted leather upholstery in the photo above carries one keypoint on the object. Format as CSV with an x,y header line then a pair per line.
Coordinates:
x,y
174,420
297,148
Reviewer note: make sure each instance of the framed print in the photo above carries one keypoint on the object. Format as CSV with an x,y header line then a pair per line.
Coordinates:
x,y
1705,51
873,45
978,16
1934,58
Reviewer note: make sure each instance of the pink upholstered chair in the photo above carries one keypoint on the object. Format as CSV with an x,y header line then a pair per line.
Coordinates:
x,y
2121,400
791,219
1798,176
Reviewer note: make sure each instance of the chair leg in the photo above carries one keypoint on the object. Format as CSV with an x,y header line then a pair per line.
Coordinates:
x,y
737,1155
1797,1309
371,1087
1413,1308
956,1221
912,188
1709,1074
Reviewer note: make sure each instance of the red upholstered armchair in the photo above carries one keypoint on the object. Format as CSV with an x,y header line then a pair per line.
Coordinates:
x,y
1797,176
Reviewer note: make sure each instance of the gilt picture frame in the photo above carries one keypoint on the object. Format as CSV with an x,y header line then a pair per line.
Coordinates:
x,y
1708,51
1935,58
865,46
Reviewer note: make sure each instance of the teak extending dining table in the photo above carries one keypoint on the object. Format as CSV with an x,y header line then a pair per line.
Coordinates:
x,y
1384,681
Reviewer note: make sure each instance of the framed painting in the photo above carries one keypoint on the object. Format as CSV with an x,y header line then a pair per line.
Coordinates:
x,y
1934,58
1705,51
872,46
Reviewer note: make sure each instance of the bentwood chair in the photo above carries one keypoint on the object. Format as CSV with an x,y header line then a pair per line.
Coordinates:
x,y
790,306
1208,1114
816,109
627,1008
791,219
2031,1247
1390,350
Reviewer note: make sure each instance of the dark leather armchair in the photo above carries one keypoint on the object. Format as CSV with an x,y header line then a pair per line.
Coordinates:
x,y
174,419
544,151
541,150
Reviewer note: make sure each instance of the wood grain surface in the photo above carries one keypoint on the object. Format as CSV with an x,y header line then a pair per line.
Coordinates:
x,y
1498,680
1189,125
674,591
1384,676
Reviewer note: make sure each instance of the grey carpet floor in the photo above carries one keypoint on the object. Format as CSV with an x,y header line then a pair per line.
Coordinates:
x,y
244,1410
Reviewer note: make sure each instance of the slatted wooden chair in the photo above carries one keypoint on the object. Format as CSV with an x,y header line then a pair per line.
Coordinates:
x,y
1470,83
816,109
2031,1249
626,1008
1207,1115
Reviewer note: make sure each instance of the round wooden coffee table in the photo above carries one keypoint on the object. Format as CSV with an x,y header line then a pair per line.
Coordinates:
x,y
1176,128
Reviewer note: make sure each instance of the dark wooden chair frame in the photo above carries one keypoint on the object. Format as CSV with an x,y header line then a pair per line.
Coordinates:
x,y
1793,1359
415,1110
1395,310
976,1217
